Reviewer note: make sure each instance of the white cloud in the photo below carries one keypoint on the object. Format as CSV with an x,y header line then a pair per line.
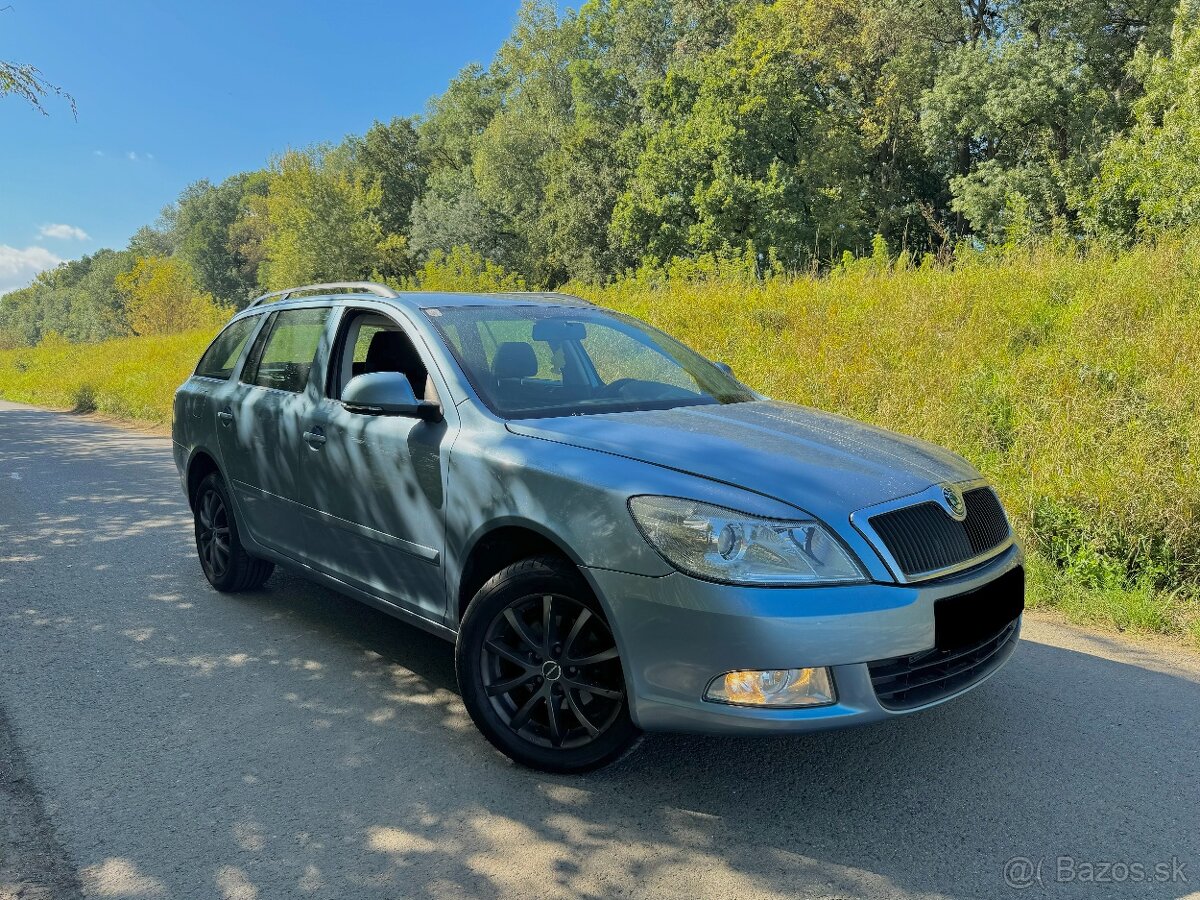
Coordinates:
x,y
63,232
17,267
98,152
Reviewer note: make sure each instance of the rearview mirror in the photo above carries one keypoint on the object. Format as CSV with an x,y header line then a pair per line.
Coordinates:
x,y
387,394
555,331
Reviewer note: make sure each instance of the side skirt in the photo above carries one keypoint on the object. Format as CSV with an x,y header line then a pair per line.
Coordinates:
x,y
336,584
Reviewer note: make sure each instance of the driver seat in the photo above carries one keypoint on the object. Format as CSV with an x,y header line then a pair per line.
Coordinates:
x,y
393,351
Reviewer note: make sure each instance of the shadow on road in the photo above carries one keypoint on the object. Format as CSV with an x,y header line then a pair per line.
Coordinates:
x,y
292,742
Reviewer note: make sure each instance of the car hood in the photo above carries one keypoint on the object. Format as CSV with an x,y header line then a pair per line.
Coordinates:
x,y
823,463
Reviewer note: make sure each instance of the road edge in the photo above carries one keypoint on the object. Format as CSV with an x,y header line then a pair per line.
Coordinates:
x,y
33,863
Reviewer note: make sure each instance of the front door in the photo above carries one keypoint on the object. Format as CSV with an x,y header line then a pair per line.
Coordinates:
x,y
261,422
375,486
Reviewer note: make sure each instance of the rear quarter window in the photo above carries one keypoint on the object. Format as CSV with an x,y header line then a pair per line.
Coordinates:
x,y
221,357
287,357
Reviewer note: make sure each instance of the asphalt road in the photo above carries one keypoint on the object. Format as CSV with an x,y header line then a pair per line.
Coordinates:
x,y
158,739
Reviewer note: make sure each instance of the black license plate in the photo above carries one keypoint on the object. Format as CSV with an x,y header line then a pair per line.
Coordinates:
x,y
968,619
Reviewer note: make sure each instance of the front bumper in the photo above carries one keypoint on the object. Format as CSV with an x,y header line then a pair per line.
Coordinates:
x,y
676,633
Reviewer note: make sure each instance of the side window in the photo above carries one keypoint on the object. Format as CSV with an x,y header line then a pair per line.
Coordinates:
x,y
369,343
287,356
362,345
222,354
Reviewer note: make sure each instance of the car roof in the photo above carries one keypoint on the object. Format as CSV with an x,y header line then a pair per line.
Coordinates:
x,y
430,299
418,299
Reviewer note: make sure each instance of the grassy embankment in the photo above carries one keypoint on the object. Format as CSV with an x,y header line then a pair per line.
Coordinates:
x,y
1070,381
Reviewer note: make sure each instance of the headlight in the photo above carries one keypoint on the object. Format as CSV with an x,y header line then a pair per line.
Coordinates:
x,y
732,547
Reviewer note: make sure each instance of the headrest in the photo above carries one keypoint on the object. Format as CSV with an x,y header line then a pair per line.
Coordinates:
x,y
514,359
391,351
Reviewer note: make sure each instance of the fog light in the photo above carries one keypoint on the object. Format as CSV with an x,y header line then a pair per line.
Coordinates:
x,y
773,687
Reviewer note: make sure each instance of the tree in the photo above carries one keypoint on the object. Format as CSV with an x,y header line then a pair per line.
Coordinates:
x,y
1150,176
204,224
76,300
248,232
320,221
1025,100
390,155
456,118
750,154
97,309
513,154
157,239
451,215
162,297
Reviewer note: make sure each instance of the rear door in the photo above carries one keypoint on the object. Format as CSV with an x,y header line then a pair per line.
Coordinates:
x,y
375,486
261,423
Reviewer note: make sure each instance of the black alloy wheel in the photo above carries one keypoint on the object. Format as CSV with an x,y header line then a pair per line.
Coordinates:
x,y
540,669
213,534
226,564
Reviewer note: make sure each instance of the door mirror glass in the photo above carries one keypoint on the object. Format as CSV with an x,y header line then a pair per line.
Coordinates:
x,y
381,393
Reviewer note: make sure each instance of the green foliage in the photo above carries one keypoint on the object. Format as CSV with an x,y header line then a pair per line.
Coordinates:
x,y
320,221
78,300
133,377
161,296
391,155
463,269
755,159
205,222
1150,178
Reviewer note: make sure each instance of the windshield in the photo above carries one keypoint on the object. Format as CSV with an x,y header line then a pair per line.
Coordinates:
x,y
539,361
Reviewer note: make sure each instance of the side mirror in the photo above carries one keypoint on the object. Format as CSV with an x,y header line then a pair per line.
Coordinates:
x,y
724,367
387,394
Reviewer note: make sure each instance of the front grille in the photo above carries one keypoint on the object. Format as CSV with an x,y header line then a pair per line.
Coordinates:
x,y
972,630
923,538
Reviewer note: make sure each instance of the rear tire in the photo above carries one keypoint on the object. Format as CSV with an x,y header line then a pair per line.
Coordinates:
x,y
226,564
539,670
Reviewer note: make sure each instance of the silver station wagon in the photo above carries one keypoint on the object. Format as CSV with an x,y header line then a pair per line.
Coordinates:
x,y
617,534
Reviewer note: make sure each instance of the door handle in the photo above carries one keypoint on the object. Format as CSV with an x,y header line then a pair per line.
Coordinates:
x,y
316,437
225,415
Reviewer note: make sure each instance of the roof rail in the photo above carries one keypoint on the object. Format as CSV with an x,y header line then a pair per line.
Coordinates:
x,y
540,295
369,287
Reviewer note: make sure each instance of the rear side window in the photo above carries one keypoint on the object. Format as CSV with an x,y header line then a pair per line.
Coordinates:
x,y
223,353
290,350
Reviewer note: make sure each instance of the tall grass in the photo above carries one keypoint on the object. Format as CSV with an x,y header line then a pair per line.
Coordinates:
x,y
133,378
1070,380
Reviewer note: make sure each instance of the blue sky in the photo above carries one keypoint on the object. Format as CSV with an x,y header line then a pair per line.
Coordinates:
x,y
172,91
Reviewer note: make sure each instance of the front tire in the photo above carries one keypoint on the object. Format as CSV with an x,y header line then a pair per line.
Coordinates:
x,y
539,670
226,564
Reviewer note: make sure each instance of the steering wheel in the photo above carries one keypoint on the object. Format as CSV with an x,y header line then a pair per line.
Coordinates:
x,y
615,388
642,390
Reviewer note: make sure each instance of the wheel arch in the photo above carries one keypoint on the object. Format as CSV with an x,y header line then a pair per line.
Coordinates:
x,y
200,465
501,543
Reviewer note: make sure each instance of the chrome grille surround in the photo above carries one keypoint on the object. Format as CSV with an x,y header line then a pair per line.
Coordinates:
x,y
934,495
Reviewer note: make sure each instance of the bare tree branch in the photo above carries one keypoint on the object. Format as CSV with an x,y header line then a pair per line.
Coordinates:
x,y
27,82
